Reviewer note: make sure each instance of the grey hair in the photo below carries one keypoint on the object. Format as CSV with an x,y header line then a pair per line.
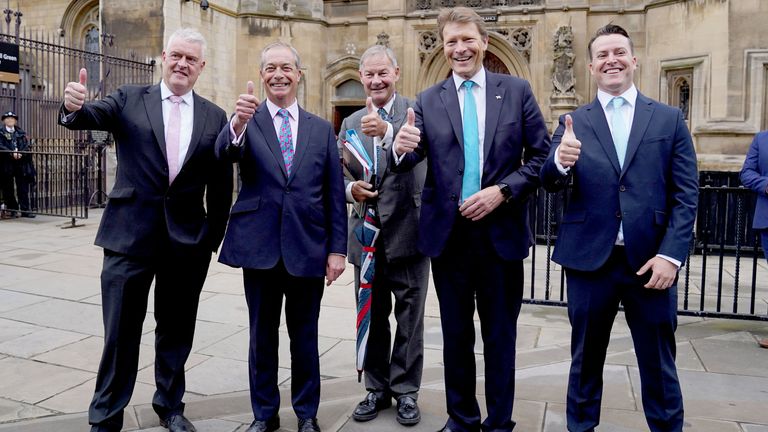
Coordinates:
x,y
189,35
376,50
279,44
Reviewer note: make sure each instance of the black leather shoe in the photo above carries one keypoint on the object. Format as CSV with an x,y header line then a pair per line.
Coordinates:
x,y
446,428
408,413
369,408
177,423
270,425
308,425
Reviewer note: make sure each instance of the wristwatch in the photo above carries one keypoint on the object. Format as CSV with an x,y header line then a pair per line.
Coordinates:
x,y
506,191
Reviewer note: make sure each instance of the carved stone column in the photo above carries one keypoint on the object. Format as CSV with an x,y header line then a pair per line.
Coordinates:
x,y
563,98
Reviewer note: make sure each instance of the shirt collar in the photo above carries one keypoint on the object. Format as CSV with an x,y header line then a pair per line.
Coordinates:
x,y
630,96
388,106
165,93
13,129
478,79
293,109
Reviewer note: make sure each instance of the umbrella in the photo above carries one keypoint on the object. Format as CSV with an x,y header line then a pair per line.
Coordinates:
x,y
366,234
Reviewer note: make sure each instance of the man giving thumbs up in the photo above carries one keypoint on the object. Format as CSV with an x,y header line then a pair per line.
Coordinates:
x,y
165,216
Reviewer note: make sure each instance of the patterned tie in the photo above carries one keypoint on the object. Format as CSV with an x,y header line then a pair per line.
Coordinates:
x,y
172,132
383,114
286,140
471,181
619,131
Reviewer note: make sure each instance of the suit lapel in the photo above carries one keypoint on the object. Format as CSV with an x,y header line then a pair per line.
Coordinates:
x,y
302,141
198,123
450,100
643,112
267,128
596,117
397,117
494,96
155,114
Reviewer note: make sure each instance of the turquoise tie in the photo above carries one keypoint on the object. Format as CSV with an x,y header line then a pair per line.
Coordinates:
x,y
471,181
619,131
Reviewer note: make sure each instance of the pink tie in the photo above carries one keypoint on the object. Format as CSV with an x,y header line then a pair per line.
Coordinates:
x,y
172,132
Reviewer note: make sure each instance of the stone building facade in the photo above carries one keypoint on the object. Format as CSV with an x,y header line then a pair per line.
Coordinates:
x,y
709,57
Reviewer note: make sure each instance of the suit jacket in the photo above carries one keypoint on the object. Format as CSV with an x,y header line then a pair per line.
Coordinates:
x,y
399,199
299,218
9,143
516,144
145,214
754,175
654,195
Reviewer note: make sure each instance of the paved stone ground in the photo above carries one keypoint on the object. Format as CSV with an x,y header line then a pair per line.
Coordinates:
x,y
51,338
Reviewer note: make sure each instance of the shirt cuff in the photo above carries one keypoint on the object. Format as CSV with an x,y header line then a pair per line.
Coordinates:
x,y
236,140
338,254
350,198
67,118
563,170
670,259
398,159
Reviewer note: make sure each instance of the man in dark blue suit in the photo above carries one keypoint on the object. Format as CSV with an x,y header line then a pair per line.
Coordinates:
x,y
485,140
287,230
754,175
165,216
625,232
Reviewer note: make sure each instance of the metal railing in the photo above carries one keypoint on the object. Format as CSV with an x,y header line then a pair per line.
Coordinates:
x,y
725,275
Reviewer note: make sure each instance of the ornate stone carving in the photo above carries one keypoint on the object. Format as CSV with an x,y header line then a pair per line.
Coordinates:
x,y
563,78
351,48
520,38
428,41
382,39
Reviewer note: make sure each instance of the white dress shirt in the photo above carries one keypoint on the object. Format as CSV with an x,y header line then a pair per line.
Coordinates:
x,y
478,91
187,108
277,122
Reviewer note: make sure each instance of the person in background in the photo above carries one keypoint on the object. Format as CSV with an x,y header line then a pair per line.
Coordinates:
x,y
16,166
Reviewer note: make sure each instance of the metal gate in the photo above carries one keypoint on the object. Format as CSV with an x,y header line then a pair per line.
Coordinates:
x,y
70,165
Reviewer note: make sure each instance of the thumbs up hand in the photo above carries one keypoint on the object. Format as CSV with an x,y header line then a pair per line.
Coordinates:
x,y
75,93
409,136
244,108
570,146
372,124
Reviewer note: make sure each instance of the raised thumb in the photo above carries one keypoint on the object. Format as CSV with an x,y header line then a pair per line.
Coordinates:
x,y
249,87
569,124
83,76
369,105
411,117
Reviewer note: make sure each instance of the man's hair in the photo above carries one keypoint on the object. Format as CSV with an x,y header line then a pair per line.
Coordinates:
x,y
461,15
278,44
189,35
377,50
606,30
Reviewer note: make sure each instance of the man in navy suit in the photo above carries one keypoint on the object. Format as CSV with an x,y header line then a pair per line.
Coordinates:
x,y
485,140
287,230
625,232
754,175
156,225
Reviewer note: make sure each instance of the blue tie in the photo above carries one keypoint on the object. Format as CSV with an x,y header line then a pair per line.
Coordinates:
x,y
619,131
471,181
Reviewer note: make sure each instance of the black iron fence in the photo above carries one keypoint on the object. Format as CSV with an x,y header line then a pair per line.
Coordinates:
x,y
725,275
71,165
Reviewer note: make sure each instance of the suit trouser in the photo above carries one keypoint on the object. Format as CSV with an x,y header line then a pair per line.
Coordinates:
x,y
125,284
21,191
593,301
264,292
407,280
469,271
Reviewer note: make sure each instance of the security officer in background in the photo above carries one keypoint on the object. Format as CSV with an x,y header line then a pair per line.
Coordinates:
x,y
15,165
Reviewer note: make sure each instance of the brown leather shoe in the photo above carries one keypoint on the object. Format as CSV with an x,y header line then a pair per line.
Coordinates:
x,y
763,343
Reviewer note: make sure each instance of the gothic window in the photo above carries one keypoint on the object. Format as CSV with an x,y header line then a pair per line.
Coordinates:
x,y
91,45
680,82
350,89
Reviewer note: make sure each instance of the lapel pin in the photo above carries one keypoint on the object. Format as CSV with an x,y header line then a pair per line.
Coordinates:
x,y
498,96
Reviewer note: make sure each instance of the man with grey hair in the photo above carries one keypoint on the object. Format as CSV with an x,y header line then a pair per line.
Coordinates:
x,y
287,231
400,270
165,216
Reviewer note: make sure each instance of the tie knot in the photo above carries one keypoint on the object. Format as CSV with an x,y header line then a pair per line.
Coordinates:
x,y
282,112
468,84
175,99
617,102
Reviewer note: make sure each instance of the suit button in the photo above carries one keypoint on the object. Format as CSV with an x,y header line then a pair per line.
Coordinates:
x,y
454,197
622,188
287,191
461,171
618,215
